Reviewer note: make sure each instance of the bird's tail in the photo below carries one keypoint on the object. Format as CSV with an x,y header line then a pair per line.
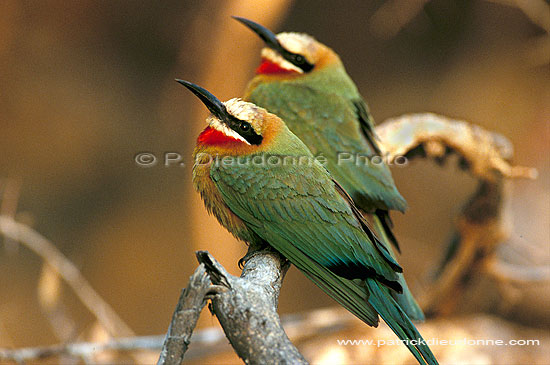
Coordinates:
x,y
366,299
405,299
399,322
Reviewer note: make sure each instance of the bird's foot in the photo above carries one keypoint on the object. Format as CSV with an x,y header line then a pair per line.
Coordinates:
x,y
253,250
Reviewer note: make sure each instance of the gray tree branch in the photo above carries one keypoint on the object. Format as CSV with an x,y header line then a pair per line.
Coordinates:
x,y
190,304
248,310
81,349
246,307
208,341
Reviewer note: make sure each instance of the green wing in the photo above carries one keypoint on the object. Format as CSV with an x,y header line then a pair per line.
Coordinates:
x,y
365,121
293,212
334,126
328,123
405,298
299,211
298,206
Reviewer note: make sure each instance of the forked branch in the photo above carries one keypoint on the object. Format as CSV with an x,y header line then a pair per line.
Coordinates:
x,y
246,307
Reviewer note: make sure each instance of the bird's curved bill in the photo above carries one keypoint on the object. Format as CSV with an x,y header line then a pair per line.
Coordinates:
x,y
267,36
213,104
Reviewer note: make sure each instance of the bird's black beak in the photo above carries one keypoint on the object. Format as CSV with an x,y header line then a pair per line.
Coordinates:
x,y
272,42
212,103
267,36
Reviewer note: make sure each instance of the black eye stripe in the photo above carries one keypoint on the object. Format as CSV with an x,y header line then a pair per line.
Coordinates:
x,y
245,130
297,60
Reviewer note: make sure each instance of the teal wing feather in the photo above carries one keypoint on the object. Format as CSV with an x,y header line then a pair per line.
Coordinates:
x,y
299,211
300,205
405,298
399,322
366,123
334,126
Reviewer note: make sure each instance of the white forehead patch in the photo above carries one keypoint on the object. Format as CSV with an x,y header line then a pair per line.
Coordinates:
x,y
298,43
242,110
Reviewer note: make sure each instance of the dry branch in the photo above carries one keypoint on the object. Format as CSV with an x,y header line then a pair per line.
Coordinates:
x,y
82,349
487,153
246,307
190,304
208,341
248,310
516,274
484,221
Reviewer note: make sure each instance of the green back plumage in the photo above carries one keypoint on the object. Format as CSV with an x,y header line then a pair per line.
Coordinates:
x,y
298,210
325,110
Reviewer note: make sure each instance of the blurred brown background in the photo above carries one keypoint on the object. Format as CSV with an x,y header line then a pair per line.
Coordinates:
x,y
87,85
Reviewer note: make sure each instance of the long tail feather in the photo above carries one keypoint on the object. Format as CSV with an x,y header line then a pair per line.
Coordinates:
x,y
387,225
364,302
405,299
399,322
349,293
365,299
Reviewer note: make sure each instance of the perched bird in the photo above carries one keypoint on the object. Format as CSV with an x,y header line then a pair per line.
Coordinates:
x,y
304,82
265,187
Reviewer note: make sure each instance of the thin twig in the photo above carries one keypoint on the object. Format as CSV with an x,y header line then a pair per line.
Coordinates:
x,y
209,340
25,235
190,304
8,207
82,349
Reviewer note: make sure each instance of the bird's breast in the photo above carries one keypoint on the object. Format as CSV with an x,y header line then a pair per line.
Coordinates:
x,y
213,200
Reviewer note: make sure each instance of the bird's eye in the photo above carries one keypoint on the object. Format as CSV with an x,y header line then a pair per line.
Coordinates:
x,y
244,126
299,59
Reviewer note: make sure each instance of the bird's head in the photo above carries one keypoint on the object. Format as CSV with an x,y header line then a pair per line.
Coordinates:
x,y
236,127
290,53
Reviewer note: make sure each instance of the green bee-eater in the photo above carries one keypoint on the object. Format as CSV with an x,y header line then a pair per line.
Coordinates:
x,y
304,83
265,187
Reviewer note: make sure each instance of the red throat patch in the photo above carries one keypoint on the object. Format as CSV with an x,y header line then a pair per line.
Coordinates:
x,y
213,137
270,68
